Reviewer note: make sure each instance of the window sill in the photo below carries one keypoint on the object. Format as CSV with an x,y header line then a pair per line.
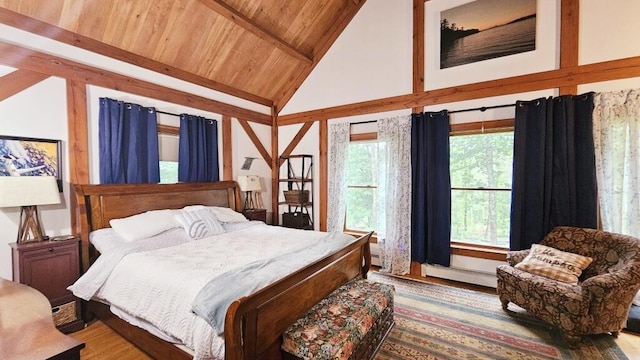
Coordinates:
x,y
478,251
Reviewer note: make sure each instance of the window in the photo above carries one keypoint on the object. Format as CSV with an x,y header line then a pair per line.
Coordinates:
x,y
481,169
168,148
362,184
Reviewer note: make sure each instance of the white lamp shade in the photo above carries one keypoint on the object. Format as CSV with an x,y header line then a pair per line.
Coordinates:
x,y
249,183
28,190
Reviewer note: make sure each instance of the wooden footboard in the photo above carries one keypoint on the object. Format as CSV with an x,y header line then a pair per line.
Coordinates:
x,y
254,323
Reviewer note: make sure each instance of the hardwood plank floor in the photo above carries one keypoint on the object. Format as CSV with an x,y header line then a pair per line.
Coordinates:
x,y
102,343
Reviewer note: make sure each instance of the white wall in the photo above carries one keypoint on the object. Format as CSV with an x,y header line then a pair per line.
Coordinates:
x,y
371,59
38,112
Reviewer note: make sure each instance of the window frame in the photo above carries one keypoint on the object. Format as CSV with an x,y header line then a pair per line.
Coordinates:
x,y
474,128
168,130
356,138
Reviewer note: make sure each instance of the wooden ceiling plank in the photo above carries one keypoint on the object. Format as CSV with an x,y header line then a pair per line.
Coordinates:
x,y
231,14
16,81
256,141
296,140
321,49
18,57
552,79
38,27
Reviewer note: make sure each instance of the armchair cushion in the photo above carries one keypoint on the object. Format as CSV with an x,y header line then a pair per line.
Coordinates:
x,y
555,264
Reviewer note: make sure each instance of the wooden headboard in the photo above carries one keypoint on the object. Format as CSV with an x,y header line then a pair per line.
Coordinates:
x,y
97,204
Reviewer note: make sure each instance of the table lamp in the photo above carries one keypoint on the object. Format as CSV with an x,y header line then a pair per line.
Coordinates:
x,y
249,184
28,192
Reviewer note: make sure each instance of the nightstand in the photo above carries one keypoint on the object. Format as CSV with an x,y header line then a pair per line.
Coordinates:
x,y
50,267
256,214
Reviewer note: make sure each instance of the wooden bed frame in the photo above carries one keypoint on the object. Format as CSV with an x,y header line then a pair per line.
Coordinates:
x,y
253,324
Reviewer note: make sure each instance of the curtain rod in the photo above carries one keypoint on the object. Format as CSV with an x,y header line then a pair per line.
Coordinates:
x,y
482,109
167,113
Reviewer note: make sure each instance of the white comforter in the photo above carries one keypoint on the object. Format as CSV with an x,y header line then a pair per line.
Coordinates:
x,y
159,286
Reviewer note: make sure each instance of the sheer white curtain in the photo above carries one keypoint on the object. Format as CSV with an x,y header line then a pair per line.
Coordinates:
x,y
394,194
337,187
616,117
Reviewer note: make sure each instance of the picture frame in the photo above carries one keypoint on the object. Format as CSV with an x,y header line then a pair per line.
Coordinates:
x,y
25,156
543,58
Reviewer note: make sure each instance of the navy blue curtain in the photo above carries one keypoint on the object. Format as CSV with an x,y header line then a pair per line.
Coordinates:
x,y
128,143
554,181
198,149
430,189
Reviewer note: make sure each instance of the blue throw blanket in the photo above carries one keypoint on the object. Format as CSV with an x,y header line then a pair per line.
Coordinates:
x,y
214,299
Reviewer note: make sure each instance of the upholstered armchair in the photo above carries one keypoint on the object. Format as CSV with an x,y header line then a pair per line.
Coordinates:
x,y
600,299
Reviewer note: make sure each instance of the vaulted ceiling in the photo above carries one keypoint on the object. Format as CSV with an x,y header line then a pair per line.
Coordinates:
x,y
258,50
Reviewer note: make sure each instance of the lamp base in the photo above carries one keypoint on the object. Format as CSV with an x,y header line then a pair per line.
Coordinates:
x,y
248,201
30,228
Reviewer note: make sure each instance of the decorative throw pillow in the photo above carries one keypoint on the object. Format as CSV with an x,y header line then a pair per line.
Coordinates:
x,y
555,264
200,223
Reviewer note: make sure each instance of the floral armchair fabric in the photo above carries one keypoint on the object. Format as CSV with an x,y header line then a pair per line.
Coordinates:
x,y
598,303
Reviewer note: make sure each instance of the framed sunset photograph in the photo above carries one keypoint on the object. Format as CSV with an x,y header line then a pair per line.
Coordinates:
x,y
486,29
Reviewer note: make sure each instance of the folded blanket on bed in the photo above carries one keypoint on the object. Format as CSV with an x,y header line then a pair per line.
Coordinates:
x,y
214,299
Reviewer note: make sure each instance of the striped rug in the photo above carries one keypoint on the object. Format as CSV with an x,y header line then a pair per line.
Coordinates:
x,y
436,322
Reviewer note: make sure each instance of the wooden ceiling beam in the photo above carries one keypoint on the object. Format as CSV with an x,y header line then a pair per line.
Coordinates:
x,y
38,27
552,79
16,81
570,28
321,48
21,58
237,18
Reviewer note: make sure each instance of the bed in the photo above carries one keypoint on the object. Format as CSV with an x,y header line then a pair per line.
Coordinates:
x,y
253,324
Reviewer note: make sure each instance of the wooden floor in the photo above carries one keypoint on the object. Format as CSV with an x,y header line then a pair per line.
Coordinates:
x,y
104,344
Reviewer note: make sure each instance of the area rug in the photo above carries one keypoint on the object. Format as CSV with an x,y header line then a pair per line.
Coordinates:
x,y
437,322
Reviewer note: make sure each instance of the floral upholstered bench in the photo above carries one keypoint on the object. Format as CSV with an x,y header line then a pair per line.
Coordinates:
x,y
350,323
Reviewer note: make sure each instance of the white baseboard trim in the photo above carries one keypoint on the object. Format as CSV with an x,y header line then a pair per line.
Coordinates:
x,y
467,276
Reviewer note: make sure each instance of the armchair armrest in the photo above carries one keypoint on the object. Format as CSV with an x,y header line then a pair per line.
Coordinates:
x,y
514,257
602,285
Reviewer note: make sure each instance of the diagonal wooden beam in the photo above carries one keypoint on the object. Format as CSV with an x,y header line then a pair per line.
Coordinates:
x,y
296,140
38,27
17,81
233,15
256,141
19,57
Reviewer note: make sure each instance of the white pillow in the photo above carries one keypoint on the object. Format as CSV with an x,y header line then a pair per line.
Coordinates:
x,y
227,215
144,225
105,240
199,223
